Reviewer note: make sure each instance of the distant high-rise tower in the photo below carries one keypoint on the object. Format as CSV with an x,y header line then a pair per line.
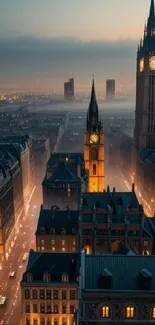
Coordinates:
x,y
94,147
144,132
69,89
110,89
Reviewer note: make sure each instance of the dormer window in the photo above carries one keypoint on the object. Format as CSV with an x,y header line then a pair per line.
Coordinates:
x,y
63,231
73,231
65,278
46,277
52,231
42,230
29,277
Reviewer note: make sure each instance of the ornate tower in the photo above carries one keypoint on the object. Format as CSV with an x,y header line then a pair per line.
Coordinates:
x,y
144,132
94,146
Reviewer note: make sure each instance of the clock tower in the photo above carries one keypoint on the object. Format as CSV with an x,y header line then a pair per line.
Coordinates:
x,y
94,146
144,132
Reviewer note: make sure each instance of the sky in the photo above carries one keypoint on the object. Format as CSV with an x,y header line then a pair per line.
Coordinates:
x,y
44,42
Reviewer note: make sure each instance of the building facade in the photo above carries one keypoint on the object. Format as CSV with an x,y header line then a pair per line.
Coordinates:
x,y
94,147
110,89
108,219
64,180
144,132
117,290
50,292
57,230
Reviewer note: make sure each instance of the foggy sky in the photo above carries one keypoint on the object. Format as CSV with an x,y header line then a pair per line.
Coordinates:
x,y
42,43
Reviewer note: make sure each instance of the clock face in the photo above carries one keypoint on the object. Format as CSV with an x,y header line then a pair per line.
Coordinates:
x,y
93,138
152,63
142,65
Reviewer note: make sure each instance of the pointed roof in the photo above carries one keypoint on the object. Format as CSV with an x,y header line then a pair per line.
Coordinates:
x,y
93,107
151,15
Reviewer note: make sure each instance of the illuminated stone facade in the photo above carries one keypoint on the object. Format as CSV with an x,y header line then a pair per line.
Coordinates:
x,y
50,289
94,147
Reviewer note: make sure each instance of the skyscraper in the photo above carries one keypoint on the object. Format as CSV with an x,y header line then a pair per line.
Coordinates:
x,y
94,146
69,89
110,89
144,132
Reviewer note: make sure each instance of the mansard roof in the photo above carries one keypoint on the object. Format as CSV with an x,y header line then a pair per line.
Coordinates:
x,y
125,271
63,173
56,158
58,220
53,264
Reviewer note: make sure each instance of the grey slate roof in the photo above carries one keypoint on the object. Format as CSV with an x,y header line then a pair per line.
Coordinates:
x,y
58,219
16,139
63,173
56,158
148,155
125,271
55,264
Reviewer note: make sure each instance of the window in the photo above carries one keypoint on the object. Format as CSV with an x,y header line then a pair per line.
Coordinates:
x,y
42,294
53,241
153,313
63,231
42,321
46,278
55,309
42,308
42,248
27,308
105,312
94,169
130,312
52,231
55,294
49,310
64,278
34,294
53,249
64,321
35,308
72,309
146,252
48,321
73,231
63,242
29,277
72,295
146,243
48,294
64,309
42,242
27,294
64,295
27,321
55,321
63,249
35,321
94,154
42,230
74,242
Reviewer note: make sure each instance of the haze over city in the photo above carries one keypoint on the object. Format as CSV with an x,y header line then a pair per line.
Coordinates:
x,y
42,43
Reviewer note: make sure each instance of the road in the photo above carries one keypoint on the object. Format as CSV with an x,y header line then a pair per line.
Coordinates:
x,y
10,287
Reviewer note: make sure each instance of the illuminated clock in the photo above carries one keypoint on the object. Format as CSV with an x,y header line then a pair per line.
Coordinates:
x,y
142,65
152,63
93,138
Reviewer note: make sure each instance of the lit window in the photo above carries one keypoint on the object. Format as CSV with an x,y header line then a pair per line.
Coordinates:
x,y
105,312
53,249
130,312
63,242
74,242
63,249
146,252
42,242
46,278
42,248
53,241
153,312
64,278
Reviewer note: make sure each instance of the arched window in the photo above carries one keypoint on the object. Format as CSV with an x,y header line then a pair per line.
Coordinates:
x,y
46,277
94,154
153,312
94,169
130,312
105,312
64,277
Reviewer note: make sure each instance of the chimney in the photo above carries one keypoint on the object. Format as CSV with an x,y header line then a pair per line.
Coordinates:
x,y
108,189
133,188
114,190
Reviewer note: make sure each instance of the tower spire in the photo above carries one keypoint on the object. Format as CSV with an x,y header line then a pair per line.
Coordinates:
x,y
151,15
93,103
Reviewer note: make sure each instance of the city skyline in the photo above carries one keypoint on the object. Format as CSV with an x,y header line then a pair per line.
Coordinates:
x,y
40,52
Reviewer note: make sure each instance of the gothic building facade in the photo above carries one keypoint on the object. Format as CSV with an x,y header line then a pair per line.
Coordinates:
x,y
144,133
94,146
